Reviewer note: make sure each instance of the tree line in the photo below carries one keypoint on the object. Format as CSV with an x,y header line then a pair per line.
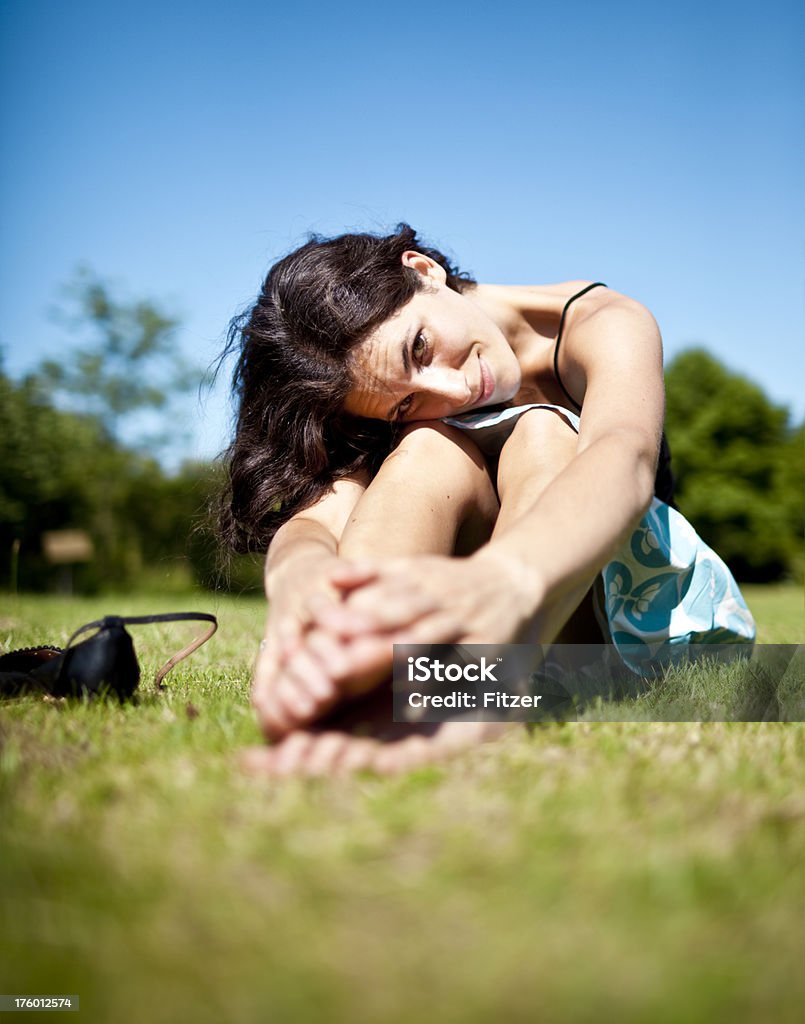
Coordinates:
x,y
79,440
61,470
84,444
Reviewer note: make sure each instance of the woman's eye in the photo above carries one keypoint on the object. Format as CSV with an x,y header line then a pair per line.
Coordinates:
x,y
419,348
404,406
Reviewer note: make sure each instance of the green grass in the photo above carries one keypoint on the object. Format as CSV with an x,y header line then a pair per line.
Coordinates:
x,y
584,871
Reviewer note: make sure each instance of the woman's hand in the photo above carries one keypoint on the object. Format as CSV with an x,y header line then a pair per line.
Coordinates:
x,y
341,644
288,686
418,599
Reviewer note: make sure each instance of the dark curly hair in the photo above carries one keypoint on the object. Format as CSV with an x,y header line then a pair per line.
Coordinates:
x,y
293,438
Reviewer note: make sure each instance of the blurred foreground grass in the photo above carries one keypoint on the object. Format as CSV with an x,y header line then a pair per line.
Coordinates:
x,y
584,871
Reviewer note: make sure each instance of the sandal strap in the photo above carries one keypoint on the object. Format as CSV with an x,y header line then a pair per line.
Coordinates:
x,y
194,644
145,620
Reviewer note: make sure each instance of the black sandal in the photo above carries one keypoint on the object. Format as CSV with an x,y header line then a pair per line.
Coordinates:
x,y
103,664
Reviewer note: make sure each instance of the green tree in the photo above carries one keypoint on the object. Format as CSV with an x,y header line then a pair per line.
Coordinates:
x,y
53,466
127,366
738,463
60,470
78,439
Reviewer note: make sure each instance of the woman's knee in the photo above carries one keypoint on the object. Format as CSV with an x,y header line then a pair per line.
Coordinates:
x,y
437,439
441,455
450,502
459,473
538,449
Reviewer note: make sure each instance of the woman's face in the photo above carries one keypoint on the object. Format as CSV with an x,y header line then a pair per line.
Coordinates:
x,y
440,355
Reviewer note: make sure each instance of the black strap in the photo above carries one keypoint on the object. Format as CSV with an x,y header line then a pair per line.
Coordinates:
x,y
568,304
143,620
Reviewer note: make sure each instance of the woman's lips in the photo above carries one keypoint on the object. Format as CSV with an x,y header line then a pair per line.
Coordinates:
x,y
487,382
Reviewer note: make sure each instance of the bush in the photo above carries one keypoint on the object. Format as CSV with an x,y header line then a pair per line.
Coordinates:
x,y
739,466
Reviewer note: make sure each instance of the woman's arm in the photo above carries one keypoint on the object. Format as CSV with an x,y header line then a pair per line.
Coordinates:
x,y
556,543
301,558
309,537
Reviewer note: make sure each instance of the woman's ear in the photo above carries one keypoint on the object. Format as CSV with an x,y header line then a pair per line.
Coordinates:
x,y
424,265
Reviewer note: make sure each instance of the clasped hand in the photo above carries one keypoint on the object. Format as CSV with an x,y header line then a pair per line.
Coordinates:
x,y
340,644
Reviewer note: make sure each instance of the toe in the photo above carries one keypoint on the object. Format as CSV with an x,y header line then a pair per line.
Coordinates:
x,y
290,754
358,755
322,755
404,755
256,760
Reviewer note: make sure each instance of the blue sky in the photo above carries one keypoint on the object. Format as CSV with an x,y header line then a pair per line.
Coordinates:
x,y
179,148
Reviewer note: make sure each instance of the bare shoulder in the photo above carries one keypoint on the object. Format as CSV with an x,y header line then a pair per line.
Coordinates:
x,y
547,300
604,312
611,354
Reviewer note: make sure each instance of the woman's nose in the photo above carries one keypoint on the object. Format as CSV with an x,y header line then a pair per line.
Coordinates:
x,y
447,383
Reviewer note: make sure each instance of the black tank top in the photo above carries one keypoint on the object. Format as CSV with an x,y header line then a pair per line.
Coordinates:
x,y
664,480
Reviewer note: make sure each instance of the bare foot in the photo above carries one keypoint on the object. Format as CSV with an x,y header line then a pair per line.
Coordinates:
x,y
361,736
316,673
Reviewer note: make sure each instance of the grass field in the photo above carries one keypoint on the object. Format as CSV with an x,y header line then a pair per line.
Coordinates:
x,y
584,871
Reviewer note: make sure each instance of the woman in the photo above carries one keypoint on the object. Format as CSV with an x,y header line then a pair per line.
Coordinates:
x,y
358,458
